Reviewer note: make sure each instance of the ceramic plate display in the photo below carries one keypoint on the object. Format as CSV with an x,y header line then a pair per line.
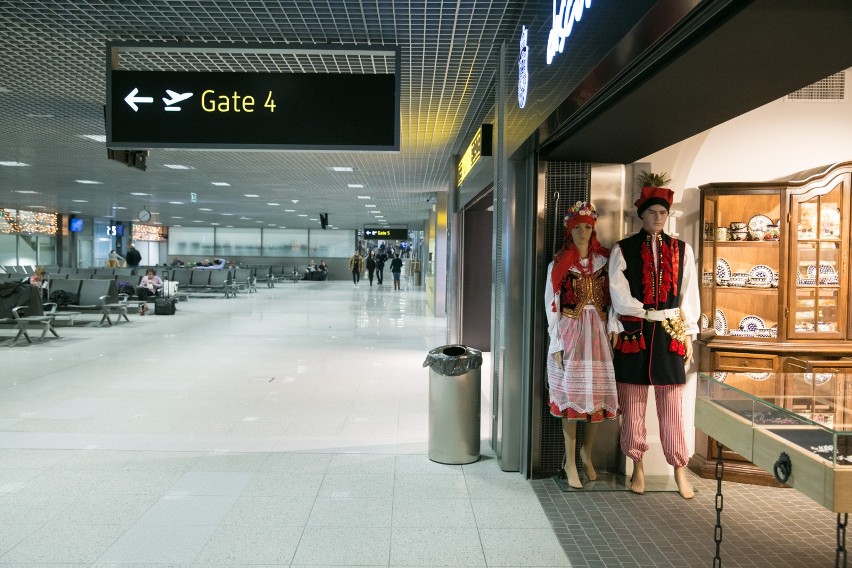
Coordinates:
x,y
741,333
818,378
827,273
723,269
751,323
759,223
705,321
720,323
760,275
720,376
758,376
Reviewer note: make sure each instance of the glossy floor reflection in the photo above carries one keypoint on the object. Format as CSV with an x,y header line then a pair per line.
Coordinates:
x,y
283,428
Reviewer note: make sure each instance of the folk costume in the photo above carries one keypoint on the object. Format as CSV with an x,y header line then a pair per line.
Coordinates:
x,y
577,301
654,292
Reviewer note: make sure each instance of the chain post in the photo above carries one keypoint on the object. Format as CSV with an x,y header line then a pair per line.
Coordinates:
x,y
720,504
840,556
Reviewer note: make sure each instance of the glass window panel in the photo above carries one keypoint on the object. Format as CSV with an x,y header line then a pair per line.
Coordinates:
x,y
237,242
805,264
285,242
191,241
27,246
47,251
829,214
332,244
826,314
807,224
805,310
8,250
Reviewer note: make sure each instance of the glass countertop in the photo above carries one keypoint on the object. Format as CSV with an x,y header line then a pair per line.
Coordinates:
x,y
810,410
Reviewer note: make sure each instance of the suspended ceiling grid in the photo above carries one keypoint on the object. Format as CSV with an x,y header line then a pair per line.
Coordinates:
x,y
52,90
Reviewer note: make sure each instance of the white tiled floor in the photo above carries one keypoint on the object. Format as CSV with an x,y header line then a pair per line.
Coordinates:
x,y
282,428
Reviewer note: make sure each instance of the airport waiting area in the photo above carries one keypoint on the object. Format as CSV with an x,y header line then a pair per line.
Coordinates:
x,y
289,427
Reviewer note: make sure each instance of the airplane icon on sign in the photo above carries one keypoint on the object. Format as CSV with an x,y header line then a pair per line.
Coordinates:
x,y
175,98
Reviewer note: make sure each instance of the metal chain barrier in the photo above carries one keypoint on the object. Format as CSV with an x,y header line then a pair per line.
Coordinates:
x,y
720,503
840,556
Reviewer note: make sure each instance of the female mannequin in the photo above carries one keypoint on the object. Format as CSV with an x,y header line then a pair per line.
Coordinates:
x,y
581,379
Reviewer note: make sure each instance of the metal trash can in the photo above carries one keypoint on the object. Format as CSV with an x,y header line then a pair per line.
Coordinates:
x,y
454,400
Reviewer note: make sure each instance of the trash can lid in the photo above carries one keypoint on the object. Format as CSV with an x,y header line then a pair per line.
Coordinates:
x,y
453,360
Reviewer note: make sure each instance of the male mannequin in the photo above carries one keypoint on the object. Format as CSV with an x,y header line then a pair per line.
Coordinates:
x,y
654,293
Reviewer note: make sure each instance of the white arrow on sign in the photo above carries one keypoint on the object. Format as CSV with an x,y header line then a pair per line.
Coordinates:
x,y
132,99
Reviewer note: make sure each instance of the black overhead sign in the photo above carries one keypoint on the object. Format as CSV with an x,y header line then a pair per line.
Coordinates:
x,y
229,110
376,233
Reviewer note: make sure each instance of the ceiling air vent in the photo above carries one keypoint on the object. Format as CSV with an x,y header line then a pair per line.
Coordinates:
x,y
830,89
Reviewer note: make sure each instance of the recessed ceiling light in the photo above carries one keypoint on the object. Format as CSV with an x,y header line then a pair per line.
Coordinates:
x,y
226,214
139,193
244,218
271,224
80,200
30,115
229,226
36,207
258,221
14,164
363,197
342,169
177,217
312,219
289,210
220,183
375,212
204,209
76,212
214,223
356,185
370,205
25,191
251,195
281,227
95,137
176,202
118,207
273,204
92,182
302,215
178,167
197,221
294,200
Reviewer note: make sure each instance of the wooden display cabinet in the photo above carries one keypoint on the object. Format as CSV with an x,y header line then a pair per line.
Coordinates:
x,y
775,284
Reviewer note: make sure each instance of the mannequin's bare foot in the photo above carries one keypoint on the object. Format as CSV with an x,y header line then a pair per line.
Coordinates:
x,y
683,485
588,468
637,481
573,477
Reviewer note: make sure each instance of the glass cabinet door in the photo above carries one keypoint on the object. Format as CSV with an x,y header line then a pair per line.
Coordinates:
x,y
818,304
708,268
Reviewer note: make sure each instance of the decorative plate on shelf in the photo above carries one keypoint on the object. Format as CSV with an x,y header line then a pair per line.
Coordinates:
x,y
818,378
758,376
827,273
759,223
723,269
705,321
760,275
751,323
720,376
720,323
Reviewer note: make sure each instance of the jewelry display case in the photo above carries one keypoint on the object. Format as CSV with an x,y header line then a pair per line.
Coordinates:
x,y
790,424
775,282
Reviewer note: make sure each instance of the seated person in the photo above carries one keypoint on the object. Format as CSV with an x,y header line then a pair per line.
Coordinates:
x,y
309,271
150,285
322,271
39,280
177,262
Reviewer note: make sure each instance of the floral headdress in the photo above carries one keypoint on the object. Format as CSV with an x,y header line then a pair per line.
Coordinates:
x,y
580,212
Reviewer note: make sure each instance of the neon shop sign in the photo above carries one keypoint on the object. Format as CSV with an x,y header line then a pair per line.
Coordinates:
x,y
565,14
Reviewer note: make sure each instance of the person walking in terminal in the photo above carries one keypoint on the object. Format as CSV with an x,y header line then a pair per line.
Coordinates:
x,y
654,292
381,259
371,266
356,266
396,270
580,374
133,257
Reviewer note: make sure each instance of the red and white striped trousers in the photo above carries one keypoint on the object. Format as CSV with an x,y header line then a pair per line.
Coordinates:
x,y
633,400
